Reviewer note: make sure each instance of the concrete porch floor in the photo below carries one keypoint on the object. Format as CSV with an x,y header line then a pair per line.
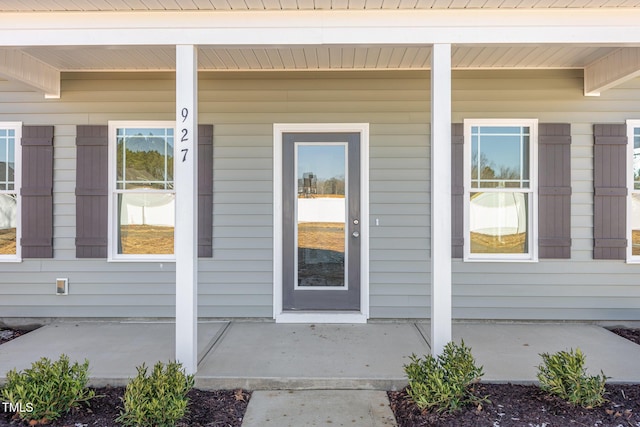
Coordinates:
x,y
267,356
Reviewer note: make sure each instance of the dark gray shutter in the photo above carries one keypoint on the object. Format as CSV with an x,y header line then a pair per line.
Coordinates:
x,y
457,190
554,190
92,191
205,191
37,192
610,191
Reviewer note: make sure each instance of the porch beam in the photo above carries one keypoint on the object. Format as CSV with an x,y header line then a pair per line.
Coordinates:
x,y
440,197
611,70
324,27
19,66
186,230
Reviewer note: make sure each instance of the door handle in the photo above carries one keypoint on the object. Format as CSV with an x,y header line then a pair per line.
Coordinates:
x,y
355,234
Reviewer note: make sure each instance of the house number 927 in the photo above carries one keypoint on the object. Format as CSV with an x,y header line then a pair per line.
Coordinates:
x,y
185,134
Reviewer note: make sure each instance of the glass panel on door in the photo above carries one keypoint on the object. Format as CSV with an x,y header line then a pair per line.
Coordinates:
x,y
321,212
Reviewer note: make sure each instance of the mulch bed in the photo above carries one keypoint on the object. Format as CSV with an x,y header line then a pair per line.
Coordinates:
x,y
221,408
7,335
525,406
512,405
630,334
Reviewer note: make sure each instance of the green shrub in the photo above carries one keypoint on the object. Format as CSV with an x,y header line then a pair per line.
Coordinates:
x,y
47,390
158,400
444,384
563,374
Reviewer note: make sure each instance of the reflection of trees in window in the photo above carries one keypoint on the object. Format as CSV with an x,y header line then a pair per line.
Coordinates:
x,y
6,174
146,164
333,186
310,185
488,170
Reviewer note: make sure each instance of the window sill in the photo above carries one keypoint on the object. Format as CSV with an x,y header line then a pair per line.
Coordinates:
x,y
137,259
510,260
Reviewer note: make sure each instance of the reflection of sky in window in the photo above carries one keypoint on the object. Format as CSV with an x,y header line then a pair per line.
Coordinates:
x,y
501,146
324,161
147,139
3,149
145,131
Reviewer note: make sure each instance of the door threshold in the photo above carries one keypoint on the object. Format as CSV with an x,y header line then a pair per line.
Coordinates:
x,y
321,317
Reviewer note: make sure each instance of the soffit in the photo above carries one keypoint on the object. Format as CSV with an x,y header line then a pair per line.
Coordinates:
x,y
162,58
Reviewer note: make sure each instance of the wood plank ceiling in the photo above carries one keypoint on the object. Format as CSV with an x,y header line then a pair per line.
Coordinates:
x,y
145,5
162,58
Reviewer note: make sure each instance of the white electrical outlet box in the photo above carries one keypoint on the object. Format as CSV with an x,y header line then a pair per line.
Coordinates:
x,y
62,286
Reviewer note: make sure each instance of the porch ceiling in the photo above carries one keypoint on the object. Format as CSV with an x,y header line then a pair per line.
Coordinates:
x,y
40,45
40,67
162,58
164,5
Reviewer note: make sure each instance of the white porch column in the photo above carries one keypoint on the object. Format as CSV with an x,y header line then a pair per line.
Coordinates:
x,y
186,231
440,197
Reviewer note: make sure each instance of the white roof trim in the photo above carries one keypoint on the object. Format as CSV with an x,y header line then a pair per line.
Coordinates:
x,y
295,28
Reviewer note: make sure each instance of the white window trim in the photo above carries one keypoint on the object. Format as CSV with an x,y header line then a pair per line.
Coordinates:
x,y
532,255
631,125
113,255
17,127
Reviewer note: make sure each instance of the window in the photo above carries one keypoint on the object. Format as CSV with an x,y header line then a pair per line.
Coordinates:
x,y
500,189
10,137
142,202
633,191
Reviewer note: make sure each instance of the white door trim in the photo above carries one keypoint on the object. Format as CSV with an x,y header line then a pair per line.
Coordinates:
x,y
320,316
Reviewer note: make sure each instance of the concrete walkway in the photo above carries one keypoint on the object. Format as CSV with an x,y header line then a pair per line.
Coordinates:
x,y
287,408
292,366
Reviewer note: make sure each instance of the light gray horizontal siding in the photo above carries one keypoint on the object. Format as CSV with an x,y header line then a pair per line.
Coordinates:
x,y
575,289
237,281
243,108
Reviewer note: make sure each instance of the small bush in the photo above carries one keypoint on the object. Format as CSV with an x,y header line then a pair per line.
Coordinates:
x,y
563,374
158,400
444,384
47,390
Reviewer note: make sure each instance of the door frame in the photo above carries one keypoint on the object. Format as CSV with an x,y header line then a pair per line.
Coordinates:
x,y
320,316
